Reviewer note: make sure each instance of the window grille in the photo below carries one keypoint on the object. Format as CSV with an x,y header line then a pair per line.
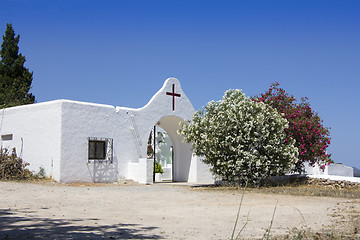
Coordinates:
x,y
100,150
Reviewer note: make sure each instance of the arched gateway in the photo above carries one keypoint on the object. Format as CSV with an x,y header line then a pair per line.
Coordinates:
x,y
85,142
167,109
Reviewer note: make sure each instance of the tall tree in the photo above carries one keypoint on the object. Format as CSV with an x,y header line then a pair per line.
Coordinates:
x,y
15,78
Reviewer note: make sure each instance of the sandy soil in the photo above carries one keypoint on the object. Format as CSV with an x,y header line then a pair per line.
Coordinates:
x,y
159,211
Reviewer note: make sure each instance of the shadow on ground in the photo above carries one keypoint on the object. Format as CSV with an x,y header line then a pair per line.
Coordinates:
x,y
13,225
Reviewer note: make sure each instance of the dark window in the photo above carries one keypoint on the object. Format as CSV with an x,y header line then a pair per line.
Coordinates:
x,y
7,137
97,149
100,149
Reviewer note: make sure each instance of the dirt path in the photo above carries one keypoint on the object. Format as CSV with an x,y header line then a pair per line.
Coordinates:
x,y
160,211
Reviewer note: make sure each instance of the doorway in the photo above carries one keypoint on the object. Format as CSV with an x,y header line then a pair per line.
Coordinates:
x,y
177,153
160,148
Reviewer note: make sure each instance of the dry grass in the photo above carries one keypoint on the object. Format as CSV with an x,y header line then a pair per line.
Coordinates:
x,y
50,181
310,190
300,187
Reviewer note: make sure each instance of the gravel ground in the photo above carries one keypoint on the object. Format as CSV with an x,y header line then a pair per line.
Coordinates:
x,y
160,211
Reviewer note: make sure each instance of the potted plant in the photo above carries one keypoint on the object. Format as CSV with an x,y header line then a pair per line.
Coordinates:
x,y
158,171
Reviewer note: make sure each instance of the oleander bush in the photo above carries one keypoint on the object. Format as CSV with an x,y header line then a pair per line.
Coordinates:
x,y
241,139
305,126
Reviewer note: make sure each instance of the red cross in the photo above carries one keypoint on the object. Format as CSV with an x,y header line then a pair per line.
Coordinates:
x,y
173,94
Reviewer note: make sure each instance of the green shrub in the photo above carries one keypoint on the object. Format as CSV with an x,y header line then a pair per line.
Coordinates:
x,y
41,174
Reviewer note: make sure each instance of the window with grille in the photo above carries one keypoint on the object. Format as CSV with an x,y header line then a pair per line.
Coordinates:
x,y
100,149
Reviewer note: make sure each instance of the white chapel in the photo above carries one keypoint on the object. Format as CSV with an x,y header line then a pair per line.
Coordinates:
x,y
86,142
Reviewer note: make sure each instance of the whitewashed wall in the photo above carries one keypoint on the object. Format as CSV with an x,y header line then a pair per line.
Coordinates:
x,y
334,169
79,122
199,171
340,170
36,134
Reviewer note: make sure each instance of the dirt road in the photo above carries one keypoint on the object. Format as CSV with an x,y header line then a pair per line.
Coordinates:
x,y
159,211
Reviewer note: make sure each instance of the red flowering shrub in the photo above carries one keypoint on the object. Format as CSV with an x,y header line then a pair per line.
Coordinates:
x,y
305,126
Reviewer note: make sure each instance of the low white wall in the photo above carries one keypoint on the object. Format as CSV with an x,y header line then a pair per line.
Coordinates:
x,y
200,172
312,169
340,170
337,169
167,173
141,172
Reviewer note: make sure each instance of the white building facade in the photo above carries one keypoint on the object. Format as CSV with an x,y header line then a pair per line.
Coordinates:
x,y
85,142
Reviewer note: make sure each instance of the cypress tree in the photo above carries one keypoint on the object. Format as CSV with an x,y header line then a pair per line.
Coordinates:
x,y
15,78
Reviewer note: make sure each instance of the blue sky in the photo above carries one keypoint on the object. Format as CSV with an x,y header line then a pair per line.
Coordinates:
x,y
121,52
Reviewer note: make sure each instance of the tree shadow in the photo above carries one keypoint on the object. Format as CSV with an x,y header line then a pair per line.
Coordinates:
x,y
13,226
